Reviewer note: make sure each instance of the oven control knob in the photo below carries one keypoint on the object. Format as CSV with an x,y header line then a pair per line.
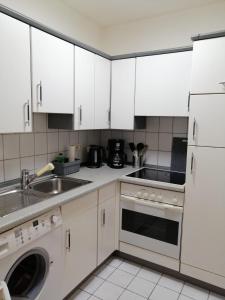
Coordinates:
x,y
174,200
152,196
159,198
145,195
54,219
138,194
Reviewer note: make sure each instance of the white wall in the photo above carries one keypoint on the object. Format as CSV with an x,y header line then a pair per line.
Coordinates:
x,y
56,15
172,30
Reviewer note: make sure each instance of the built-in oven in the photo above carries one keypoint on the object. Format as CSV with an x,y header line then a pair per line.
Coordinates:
x,y
151,225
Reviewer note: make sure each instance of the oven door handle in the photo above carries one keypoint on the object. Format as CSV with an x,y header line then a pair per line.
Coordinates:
x,y
149,203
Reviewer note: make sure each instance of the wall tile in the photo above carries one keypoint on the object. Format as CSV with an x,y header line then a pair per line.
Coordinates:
x,y
165,141
52,156
27,163
94,137
180,125
63,141
166,124
152,124
26,144
83,137
152,140
117,134
53,142
151,157
40,140
1,171
40,161
39,122
11,146
105,136
1,147
12,169
164,159
128,136
139,137
73,139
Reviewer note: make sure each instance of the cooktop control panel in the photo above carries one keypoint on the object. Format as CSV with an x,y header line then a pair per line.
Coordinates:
x,y
153,194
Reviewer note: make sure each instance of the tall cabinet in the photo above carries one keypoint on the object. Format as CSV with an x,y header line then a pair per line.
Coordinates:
x,y
203,243
15,78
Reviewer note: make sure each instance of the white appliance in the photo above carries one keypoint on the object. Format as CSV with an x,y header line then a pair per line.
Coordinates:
x,y
31,259
151,218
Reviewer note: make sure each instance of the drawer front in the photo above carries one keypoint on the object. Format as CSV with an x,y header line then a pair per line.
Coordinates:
x,y
107,192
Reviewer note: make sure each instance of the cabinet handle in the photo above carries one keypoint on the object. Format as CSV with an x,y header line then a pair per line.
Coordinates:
x,y
109,116
39,93
194,130
222,82
192,162
27,113
80,114
68,244
103,217
189,98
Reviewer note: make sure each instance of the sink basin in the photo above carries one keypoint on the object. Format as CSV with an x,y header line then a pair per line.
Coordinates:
x,y
15,199
57,185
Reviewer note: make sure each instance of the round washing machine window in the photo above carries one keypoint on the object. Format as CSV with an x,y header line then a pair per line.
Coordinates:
x,y
28,274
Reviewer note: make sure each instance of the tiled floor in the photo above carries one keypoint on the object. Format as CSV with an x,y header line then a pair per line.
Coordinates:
x,y
124,280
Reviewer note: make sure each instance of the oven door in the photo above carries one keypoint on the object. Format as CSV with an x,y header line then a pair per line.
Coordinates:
x,y
151,225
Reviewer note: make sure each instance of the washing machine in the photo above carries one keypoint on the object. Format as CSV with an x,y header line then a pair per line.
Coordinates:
x,y
31,259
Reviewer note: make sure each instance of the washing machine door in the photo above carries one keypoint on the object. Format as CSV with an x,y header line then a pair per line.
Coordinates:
x,y
28,274
4,292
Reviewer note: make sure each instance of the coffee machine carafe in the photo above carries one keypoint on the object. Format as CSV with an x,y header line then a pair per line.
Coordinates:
x,y
116,157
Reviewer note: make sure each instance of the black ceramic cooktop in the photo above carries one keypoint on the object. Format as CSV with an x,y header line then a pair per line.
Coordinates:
x,y
160,175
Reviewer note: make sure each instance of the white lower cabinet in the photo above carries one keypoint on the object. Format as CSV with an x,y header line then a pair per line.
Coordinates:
x,y
203,243
106,222
80,235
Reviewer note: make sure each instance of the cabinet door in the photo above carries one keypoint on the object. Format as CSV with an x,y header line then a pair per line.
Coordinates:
x,y
80,235
106,229
15,79
163,84
203,244
122,94
208,68
206,121
52,70
102,92
84,89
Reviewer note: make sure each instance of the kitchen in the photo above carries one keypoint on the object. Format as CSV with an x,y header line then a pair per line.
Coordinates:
x,y
112,150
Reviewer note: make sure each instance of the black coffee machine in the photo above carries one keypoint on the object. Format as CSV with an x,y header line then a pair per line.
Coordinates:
x,y
95,156
116,155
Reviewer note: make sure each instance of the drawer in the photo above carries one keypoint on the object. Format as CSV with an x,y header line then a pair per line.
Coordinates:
x,y
107,192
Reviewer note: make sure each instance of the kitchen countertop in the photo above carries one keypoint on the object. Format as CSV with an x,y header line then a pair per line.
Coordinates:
x,y
99,178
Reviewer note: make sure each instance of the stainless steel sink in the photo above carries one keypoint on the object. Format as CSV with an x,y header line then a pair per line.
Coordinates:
x,y
57,185
13,198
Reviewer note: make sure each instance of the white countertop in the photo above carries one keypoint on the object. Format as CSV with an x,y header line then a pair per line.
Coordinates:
x,y
99,178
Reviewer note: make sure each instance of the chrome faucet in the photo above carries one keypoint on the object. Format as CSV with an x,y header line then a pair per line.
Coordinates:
x,y
27,178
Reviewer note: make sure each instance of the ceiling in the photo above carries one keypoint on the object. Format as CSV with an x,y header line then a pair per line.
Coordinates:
x,y
112,12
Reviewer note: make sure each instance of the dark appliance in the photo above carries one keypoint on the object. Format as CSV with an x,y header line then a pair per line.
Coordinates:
x,y
95,156
116,155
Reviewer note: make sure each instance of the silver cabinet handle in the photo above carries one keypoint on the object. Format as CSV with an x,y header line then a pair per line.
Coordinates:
x,y
189,98
109,116
103,217
39,93
194,129
222,82
68,241
80,109
192,162
27,113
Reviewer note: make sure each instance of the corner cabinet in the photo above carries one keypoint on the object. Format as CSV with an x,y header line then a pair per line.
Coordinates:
x,y
122,94
163,84
203,241
208,71
106,222
52,73
15,78
80,237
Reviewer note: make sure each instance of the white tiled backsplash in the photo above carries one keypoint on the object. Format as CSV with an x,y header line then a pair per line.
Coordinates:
x,y
158,136
33,150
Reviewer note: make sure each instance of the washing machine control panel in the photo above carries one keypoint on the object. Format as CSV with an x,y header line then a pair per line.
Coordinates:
x,y
18,237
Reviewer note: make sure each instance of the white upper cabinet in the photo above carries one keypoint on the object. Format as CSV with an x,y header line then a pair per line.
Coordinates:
x,y
203,242
208,71
122,94
206,120
84,89
163,84
15,79
102,93
52,71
